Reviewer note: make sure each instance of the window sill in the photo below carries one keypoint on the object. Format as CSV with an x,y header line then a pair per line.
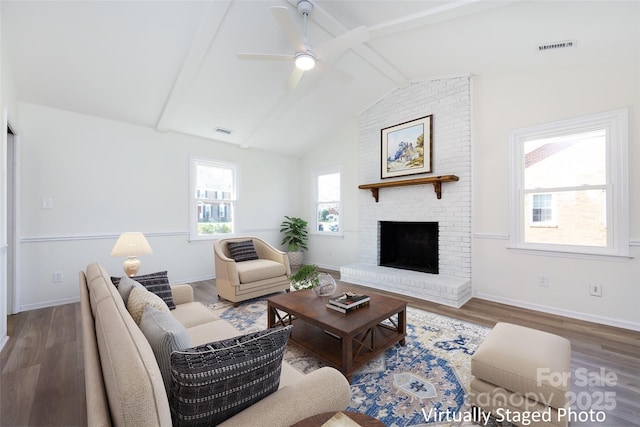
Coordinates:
x,y
325,234
571,254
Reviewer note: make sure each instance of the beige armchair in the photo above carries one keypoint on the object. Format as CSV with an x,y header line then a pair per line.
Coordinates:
x,y
242,280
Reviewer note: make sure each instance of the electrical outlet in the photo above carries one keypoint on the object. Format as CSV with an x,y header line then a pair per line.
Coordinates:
x,y
595,289
47,203
58,277
543,280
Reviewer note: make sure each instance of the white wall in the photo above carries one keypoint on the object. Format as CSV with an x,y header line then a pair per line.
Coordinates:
x,y
3,262
8,92
341,151
106,177
504,102
9,104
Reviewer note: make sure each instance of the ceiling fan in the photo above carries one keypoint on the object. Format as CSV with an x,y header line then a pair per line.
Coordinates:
x,y
306,57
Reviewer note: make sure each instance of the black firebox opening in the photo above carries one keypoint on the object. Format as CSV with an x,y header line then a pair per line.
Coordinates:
x,y
409,245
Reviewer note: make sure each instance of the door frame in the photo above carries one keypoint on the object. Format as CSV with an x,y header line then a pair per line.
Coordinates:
x,y
11,158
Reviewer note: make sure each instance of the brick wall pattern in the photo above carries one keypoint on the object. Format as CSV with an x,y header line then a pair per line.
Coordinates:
x,y
448,100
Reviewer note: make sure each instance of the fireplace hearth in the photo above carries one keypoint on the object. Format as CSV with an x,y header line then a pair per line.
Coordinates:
x,y
409,245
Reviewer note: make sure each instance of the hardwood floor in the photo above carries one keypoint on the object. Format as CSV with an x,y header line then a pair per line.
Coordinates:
x,y
42,378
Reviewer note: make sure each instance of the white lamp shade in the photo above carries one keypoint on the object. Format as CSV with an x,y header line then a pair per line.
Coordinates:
x,y
131,244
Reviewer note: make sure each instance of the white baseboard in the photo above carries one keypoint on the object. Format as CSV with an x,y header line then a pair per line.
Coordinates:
x,y
50,303
634,326
329,267
193,279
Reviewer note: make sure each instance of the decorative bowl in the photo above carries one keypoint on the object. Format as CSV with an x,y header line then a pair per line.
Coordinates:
x,y
326,285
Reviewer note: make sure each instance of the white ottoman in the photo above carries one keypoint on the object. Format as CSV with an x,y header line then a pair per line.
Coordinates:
x,y
518,372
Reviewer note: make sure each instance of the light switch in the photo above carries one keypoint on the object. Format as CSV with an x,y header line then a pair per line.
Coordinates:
x,y
47,203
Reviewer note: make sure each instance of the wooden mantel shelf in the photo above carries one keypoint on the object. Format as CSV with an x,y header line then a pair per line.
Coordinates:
x,y
435,180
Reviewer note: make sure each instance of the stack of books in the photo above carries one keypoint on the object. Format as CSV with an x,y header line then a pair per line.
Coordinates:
x,y
348,302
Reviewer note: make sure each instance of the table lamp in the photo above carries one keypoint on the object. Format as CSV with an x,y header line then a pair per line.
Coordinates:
x,y
131,244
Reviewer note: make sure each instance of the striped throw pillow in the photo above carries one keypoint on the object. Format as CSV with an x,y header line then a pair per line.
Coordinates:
x,y
215,381
158,283
242,251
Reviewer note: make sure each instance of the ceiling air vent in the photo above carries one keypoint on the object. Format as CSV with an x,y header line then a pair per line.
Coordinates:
x,y
223,130
557,45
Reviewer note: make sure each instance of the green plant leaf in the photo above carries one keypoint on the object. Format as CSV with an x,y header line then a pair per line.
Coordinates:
x,y
306,277
295,233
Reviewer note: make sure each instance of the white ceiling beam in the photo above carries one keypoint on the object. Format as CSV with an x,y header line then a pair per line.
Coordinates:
x,y
205,36
434,15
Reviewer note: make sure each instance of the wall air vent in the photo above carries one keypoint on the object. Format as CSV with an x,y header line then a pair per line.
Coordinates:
x,y
223,130
557,45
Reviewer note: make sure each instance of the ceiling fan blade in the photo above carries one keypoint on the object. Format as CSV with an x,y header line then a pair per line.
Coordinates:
x,y
343,42
265,57
289,27
294,78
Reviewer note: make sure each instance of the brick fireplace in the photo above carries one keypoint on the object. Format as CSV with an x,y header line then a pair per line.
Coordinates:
x,y
449,101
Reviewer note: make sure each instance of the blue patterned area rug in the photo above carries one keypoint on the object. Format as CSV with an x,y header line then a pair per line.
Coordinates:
x,y
407,385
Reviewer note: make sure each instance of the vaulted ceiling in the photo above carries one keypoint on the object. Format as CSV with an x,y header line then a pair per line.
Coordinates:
x,y
172,65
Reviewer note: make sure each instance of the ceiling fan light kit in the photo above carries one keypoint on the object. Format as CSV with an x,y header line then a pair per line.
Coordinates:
x,y
305,61
305,56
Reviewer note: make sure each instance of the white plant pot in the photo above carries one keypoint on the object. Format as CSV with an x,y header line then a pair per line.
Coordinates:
x,y
295,258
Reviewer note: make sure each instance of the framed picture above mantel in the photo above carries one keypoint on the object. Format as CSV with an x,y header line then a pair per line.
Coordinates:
x,y
406,148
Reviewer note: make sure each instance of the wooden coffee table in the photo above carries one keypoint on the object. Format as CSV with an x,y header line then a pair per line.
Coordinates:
x,y
345,341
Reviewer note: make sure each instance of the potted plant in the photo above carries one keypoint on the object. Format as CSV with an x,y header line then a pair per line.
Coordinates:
x,y
295,237
308,277
305,278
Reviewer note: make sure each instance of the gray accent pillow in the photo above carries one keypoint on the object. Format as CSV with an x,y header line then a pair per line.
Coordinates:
x,y
158,283
124,287
242,251
165,335
215,381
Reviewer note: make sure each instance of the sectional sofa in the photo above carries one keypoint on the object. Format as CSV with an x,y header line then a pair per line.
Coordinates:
x,y
124,384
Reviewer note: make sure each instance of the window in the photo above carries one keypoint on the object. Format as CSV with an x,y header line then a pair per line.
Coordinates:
x,y
327,208
570,186
542,210
214,198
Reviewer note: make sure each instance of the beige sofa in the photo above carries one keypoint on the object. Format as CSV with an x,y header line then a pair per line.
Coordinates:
x,y
123,382
240,281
